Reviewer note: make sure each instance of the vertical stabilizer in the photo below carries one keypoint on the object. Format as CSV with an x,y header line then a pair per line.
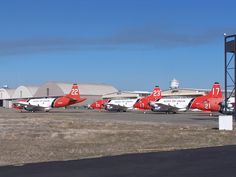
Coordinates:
x,y
215,91
156,94
74,93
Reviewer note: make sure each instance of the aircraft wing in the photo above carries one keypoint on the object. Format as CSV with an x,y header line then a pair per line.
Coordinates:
x,y
28,107
116,108
76,100
159,107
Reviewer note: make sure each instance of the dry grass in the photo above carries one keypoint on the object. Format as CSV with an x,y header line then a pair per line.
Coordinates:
x,y
27,138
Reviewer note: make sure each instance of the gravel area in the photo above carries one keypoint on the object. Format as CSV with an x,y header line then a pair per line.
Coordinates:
x,y
72,134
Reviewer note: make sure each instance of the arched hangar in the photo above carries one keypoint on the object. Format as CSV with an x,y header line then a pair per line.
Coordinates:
x,y
24,92
5,97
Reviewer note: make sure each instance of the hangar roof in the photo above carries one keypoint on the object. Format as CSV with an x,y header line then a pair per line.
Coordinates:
x,y
6,93
96,89
182,92
24,92
59,89
121,95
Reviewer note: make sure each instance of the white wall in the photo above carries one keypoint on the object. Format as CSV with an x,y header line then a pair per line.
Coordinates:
x,y
7,104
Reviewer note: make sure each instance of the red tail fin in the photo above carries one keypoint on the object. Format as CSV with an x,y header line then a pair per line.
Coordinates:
x,y
156,94
215,91
74,93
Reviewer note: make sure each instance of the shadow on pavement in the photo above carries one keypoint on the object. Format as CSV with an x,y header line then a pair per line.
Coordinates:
x,y
204,162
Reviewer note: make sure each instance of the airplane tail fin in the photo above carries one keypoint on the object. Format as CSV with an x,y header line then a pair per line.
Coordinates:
x,y
75,94
215,91
156,94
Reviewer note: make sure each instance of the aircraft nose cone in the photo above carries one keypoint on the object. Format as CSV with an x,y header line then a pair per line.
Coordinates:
x,y
193,105
92,106
136,105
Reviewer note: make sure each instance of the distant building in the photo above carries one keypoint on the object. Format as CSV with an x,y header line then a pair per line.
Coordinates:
x,y
126,95
6,97
24,92
176,91
174,85
183,92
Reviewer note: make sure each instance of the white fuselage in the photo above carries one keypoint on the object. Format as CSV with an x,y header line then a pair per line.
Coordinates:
x,y
42,102
128,103
179,103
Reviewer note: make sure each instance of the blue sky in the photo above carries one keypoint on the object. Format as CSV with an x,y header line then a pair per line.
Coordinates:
x,y
131,44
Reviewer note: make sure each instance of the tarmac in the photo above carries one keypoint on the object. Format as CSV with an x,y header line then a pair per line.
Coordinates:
x,y
204,162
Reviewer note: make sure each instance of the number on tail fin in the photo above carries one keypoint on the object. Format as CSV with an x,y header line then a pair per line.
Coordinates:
x,y
74,91
156,93
216,91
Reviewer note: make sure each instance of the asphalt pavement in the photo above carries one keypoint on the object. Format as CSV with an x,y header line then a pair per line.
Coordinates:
x,y
204,162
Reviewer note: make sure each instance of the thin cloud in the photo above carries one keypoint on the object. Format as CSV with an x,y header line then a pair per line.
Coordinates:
x,y
146,38
37,45
155,37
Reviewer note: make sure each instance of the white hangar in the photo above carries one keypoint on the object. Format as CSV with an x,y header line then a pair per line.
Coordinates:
x,y
5,97
24,92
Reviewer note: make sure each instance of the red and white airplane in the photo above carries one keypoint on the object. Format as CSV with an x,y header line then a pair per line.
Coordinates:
x,y
157,103
171,104
99,104
45,104
144,103
210,102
